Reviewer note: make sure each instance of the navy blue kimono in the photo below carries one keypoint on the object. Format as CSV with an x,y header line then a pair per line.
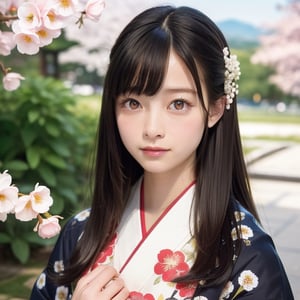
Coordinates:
x,y
258,273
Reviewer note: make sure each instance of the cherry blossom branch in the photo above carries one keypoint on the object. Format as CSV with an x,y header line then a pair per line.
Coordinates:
x,y
3,69
7,18
35,25
25,207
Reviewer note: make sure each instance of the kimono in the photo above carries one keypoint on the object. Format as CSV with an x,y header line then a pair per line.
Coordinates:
x,y
149,260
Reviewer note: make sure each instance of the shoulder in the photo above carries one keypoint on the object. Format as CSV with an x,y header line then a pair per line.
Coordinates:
x,y
75,225
250,228
254,238
258,263
45,287
78,221
67,240
70,234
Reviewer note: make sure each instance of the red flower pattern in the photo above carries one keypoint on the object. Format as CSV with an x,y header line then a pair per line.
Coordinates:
x,y
186,290
140,296
107,252
171,264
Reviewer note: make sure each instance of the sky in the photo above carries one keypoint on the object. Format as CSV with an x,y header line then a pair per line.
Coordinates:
x,y
255,12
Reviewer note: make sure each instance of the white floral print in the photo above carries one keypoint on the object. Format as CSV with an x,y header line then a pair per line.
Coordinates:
x,y
245,232
59,266
228,289
83,215
239,216
41,282
248,280
62,293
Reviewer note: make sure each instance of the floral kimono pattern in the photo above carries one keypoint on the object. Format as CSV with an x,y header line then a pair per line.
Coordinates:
x,y
149,260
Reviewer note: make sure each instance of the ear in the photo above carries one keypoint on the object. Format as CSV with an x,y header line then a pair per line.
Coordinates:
x,y
216,111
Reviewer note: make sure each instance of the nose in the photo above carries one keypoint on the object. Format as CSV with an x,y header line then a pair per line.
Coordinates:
x,y
153,125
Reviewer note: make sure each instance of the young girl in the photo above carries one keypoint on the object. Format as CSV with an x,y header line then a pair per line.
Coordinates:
x,y
172,215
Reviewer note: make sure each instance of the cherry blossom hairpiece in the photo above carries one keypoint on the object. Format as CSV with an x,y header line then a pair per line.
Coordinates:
x,y
232,74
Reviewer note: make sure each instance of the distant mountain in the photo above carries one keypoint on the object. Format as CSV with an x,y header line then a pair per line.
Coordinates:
x,y
240,34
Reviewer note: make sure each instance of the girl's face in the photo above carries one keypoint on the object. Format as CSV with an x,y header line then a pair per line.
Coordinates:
x,y
163,131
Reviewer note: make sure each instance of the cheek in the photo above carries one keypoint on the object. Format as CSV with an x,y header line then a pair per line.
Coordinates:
x,y
191,131
126,130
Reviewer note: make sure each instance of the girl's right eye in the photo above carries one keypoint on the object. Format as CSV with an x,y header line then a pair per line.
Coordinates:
x,y
131,104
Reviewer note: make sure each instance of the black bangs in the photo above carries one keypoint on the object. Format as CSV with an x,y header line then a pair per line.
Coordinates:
x,y
142,61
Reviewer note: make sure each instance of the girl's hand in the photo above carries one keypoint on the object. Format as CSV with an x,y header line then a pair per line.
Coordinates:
x,y
101,283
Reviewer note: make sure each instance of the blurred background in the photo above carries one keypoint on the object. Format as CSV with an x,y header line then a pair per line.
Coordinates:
x,y
48,125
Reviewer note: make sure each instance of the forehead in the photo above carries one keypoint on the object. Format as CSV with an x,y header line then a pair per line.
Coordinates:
x,y
177,74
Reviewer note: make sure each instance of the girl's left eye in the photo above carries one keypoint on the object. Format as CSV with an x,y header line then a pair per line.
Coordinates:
x,y
178,104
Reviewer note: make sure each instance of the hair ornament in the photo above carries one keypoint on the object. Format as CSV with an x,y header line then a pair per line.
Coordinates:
x,y
232,74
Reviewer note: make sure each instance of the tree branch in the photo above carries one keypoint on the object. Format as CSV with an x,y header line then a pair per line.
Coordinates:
x,y
6,18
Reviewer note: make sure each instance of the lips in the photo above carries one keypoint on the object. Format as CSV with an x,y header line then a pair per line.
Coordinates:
x,y
154,151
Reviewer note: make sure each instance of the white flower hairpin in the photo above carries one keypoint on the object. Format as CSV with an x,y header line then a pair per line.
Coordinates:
x,y
232,74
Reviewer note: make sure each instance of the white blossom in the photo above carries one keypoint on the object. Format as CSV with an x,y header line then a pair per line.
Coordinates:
x,y
41,281
248,280
61,293
244,231
59,266
228,289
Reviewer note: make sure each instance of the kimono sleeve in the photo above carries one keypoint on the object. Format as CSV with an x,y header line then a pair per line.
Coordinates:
x,y
44,288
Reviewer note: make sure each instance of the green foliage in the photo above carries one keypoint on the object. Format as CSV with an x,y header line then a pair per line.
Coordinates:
x,y
16,286
43,139
255,78
24,64
266,116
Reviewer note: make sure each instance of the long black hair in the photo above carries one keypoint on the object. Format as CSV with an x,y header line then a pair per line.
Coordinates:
x,y
138,63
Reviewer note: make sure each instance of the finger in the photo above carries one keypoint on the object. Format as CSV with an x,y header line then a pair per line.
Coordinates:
x,y
122,295
114,289
102,271
100,275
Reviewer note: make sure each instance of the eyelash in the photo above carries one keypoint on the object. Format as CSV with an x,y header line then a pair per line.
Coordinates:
x,y
126,103
181,102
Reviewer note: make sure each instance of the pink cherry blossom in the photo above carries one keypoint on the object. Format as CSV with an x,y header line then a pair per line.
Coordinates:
x,y
41,199
8,195
24,210
5,180
7,42
279,49
46,35
65,8
9,5
93,9
48,228
3,217
29,15
11,81
29,206
52,20
27,42
35,23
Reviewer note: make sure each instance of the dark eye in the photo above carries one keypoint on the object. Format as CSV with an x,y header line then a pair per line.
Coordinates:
x,y
132,104
178,104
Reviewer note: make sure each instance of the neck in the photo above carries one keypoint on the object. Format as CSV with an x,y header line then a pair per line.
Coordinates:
x,y
161,189
159,192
